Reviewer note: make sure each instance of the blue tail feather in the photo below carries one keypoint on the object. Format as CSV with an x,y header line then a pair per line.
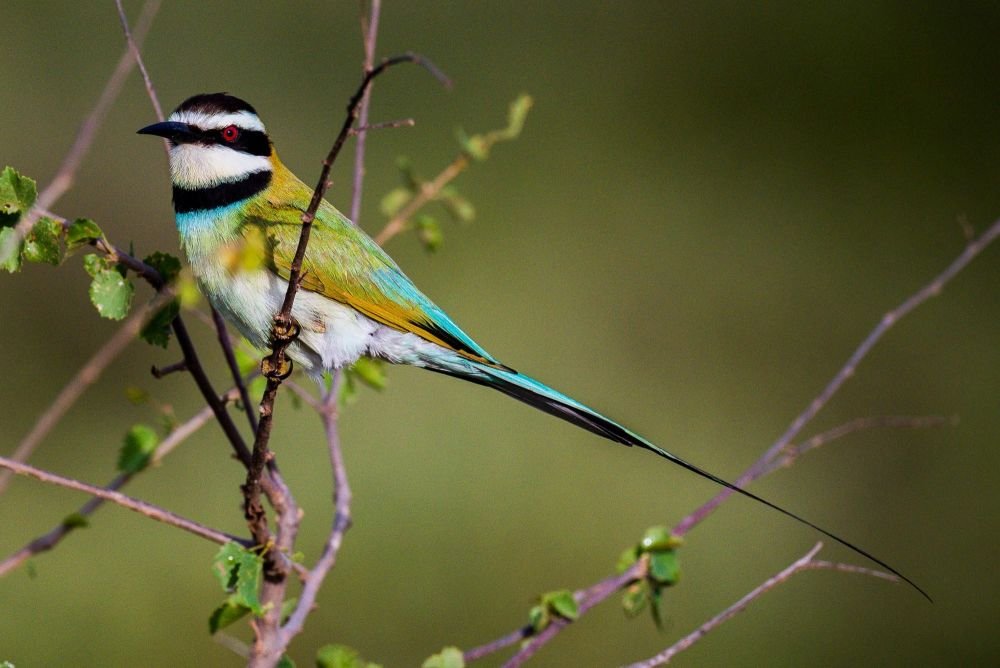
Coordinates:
x,y
541,396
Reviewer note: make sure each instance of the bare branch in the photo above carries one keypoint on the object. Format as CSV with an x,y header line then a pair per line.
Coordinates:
x,y
369,34
149,510
341,517
133,46
49,540
428,191
793,451
234,369
804,563
84,378
602,590
931,289
384,125
66,174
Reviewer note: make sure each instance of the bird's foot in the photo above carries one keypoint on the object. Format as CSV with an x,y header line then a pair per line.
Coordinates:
x,y
279,371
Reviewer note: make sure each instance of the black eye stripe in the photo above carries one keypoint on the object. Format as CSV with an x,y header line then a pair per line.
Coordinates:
x,y
253,142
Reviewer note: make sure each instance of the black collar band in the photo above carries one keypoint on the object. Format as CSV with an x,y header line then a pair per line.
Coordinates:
x,y
224,194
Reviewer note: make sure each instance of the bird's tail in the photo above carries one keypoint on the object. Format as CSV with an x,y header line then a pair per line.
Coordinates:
x,y
541,396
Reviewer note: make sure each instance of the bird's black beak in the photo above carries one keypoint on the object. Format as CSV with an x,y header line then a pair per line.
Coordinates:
x,y
178,133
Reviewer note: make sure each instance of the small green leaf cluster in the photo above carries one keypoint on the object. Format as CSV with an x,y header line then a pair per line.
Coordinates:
x,y
478,146
138,448
366,371
558,604
449,657
341,656
48,241
239,573
659,547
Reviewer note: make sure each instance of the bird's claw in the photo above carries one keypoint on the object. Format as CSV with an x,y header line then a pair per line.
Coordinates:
x,y
279,371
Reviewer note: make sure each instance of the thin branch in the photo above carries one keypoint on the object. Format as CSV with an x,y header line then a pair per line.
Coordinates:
x,y
49,540
428,191
585,599
791,453
84,378
159,372
133,46
931,289
608,586
341,517
804,563
149,510
66,174
234,369
369,33
276,366
360,130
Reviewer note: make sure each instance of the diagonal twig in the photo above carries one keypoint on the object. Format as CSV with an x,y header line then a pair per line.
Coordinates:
x,y
49,540
66,174
804,563
143,508
84,378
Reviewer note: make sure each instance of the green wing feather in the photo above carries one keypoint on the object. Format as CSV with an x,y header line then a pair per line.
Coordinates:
x,y
346,265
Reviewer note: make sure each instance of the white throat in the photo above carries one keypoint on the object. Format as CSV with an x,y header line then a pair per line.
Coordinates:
x,y
196,166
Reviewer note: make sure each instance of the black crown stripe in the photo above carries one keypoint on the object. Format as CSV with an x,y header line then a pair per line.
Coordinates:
x,y
224,194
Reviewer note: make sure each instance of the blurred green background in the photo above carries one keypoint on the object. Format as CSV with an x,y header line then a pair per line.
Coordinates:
x,y
710,206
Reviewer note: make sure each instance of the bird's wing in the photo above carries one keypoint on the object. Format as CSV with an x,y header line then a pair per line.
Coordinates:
x,y
346,265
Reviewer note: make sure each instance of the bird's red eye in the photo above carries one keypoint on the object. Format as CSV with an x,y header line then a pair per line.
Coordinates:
x,y
230,133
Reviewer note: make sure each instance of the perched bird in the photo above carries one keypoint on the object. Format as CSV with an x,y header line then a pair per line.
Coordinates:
x,y
239,211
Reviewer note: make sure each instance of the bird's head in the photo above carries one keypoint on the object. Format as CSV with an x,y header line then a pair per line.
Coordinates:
x,y
215,138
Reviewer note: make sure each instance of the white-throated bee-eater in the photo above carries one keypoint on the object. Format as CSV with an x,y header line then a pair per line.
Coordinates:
x,y
235,199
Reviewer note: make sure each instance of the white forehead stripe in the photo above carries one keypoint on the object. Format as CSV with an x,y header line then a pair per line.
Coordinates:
x,y
195,166
206,121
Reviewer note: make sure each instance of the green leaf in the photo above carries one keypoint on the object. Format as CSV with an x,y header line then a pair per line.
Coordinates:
x,y
664,567
137,395
429,232
626,559
659,538
246,361
460,208
94,264
111,293
76,521
562,603
139,445
539,618
12,262
635,598
394,200
238,571
165,263
478,147
341,656
157,331
285,662
17,193
43,243
371,372
81,232
230,611
288,607
449,657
